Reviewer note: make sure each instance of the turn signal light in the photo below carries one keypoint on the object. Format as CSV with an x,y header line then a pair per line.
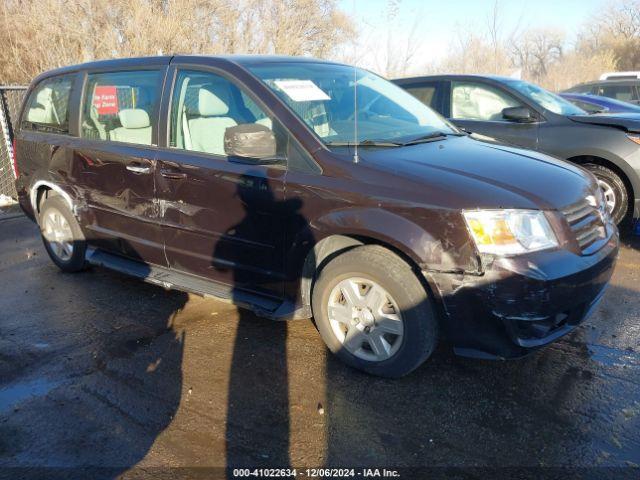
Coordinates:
x,y
634,139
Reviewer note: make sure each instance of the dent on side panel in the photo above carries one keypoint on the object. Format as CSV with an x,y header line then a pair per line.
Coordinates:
x,y
45,162
431,238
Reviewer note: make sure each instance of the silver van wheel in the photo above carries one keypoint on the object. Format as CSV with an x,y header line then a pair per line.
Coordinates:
x,y
365,319
615,191
58,234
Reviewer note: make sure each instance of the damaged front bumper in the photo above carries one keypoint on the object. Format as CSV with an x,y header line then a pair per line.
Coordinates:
x,y
521,303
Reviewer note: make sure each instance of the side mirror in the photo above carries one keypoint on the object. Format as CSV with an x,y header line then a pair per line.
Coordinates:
x,y
251,141
517,114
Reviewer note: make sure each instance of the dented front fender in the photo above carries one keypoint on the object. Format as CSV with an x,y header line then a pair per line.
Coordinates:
x,y
438,243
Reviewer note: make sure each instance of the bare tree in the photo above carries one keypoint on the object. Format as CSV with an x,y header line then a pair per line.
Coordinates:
x,y
616,29
621,19
536,50
393,49
476,51
575,67
499,39
42,34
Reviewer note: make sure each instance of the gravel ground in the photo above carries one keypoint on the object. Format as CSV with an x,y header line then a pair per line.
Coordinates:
x,y
104,376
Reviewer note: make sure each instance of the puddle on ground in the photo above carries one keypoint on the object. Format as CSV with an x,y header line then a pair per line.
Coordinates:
x,y
18,392
613,357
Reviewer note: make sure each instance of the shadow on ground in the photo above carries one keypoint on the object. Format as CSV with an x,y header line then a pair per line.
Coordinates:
x,y
97,369
90,364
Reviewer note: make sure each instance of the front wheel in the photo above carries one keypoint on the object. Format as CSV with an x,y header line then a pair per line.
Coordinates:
x,y
373,313
614,190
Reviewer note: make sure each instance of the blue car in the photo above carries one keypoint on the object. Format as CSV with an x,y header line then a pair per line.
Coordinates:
x,y
598,104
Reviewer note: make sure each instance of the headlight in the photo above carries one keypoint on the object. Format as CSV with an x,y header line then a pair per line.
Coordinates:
x,y
510,232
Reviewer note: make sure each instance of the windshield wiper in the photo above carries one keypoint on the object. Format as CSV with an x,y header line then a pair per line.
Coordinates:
x,y
432,137
366,143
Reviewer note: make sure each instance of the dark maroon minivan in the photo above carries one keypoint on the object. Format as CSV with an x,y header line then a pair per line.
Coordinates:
x,y
300,188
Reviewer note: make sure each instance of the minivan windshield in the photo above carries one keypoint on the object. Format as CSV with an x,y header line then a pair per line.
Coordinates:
x,y
324,97
546,99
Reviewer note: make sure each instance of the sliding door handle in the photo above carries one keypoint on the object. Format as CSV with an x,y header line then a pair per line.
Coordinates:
x,y
138,168
173,175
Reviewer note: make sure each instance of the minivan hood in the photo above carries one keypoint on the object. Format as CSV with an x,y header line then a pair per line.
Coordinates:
x,y
625,121
461,172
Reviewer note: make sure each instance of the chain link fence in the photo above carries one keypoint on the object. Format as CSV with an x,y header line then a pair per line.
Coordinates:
x,y
10,102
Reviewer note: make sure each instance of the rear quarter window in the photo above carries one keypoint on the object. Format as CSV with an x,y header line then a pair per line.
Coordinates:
x,y
625,93
581,89
426,93
47,107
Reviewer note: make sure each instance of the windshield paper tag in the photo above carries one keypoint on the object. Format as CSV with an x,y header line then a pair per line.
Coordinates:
x,y
302,90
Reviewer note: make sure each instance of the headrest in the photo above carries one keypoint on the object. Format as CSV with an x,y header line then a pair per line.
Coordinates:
x,y
210,104
134,118
44,96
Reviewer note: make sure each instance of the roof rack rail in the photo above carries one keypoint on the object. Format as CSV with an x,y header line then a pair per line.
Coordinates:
x,y
620,76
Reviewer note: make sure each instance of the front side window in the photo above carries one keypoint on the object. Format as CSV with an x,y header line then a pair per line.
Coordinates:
x,y
545,99
120,106
475,101
210,114
328,98
48,106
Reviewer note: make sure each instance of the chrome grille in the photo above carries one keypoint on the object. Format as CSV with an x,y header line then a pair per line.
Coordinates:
x,y
585,220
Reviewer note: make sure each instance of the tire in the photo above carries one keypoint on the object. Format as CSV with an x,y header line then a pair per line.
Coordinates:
x,y
55,216
614,188
365,269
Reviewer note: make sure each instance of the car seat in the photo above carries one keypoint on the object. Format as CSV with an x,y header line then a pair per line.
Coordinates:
x,y
205,132
136,127
42,111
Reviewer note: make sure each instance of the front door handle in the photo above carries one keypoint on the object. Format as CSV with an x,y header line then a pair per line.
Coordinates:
x,y
172,174
137,168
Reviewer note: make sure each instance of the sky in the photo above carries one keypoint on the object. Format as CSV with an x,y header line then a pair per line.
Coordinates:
x,y
440,19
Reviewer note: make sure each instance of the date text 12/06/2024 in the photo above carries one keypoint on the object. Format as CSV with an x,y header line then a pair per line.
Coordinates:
x,y
315,473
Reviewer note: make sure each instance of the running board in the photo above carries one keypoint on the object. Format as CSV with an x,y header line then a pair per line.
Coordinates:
x,y
262,306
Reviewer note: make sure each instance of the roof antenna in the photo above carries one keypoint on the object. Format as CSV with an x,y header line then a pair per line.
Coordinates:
x,y
356,158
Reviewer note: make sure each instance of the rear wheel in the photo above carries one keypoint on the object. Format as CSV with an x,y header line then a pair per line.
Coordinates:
x,y
373,312
61,235
614,190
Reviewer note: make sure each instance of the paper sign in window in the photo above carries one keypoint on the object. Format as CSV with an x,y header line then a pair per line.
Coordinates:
x,y
302,90
105,99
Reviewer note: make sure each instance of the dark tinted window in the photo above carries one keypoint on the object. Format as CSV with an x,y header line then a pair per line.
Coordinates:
x,y
120,106
48,106
625,93
580,89
425,92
